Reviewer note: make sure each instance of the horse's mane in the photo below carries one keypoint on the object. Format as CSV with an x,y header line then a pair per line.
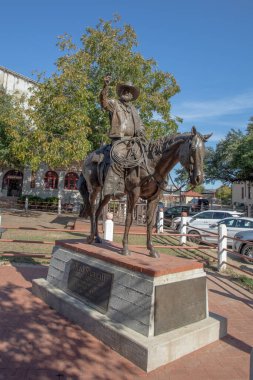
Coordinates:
x,y
163,143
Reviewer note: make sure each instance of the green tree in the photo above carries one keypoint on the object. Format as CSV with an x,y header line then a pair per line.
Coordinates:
x,y
224,193
221,164
243,159
233,157
13,126
199,188
65,108
243,156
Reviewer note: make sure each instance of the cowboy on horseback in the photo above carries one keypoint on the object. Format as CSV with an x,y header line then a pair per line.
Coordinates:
x,y
125,125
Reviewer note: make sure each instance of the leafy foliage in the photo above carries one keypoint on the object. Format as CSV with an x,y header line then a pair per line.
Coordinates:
x,y
243,157
13,125
65,108
222,164
224,193
199,188
233,157
34,199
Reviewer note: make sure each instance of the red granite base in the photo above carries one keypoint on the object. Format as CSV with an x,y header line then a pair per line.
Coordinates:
x,y
138,261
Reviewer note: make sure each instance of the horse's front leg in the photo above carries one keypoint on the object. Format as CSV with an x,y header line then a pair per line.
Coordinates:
x,y
151,208
91,237
132,199
102,204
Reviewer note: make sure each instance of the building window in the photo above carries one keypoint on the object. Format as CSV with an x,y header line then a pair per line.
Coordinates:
x,y
51,180
249,191
32,183
242,192
70,182
13,183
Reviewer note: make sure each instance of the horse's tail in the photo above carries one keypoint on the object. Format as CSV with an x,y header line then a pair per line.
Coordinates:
x,y
85,211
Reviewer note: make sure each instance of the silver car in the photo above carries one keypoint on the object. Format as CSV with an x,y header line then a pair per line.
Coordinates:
x,y
233,224
244,247
204,219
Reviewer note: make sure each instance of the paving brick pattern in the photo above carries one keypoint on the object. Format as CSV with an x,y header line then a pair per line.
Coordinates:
x,y
38,344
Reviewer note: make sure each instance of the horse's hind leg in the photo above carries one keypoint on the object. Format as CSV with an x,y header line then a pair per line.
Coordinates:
x,y
102,204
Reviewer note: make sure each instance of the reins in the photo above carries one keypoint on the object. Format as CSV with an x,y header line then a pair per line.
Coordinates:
x,y
132,160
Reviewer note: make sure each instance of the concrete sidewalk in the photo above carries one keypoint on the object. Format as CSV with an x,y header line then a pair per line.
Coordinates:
x,y
37,343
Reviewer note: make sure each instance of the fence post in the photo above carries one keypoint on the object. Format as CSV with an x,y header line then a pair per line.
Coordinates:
x,y
108,227
59,204
159,226
222,247
183,229
26,204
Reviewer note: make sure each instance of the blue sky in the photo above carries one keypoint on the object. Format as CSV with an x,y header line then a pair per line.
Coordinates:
x,y
206,44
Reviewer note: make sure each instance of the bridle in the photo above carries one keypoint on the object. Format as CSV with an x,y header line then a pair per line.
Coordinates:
x,y
188,161
187,158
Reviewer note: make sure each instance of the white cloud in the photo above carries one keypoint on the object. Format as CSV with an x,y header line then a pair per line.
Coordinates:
x,y
200,110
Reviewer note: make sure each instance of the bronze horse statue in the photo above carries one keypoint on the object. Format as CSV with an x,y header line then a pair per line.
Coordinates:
x,y
146,181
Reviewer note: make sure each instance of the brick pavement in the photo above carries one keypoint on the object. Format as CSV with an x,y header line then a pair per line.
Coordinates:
x,y
37,343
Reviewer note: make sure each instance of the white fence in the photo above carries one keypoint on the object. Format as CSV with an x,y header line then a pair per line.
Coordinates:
x,y
221,247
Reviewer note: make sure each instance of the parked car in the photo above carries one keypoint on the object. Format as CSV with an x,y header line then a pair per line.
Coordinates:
x,y
204,219
244,247
175,211
233,224
200,204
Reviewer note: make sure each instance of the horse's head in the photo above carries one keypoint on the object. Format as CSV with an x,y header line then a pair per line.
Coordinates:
x,y
192,154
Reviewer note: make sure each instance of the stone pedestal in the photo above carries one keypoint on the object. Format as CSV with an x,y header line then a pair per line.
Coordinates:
x,y
152,311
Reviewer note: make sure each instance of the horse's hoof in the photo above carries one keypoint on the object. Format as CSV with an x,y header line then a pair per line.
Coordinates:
x,y
89,240
154,254
98,240
125,252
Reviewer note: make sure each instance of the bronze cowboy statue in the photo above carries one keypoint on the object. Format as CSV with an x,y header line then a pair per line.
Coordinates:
x,y
125,124
133,166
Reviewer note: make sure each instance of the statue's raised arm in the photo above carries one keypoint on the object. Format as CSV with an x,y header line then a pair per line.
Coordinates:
x,y
104,101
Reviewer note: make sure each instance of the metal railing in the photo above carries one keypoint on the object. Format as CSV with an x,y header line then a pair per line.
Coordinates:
x,y
119,209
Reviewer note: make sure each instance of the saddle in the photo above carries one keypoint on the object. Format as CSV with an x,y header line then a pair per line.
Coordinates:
x,y
102,158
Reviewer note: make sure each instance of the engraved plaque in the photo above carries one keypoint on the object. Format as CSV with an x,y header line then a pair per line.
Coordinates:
x,y
90,284
180,303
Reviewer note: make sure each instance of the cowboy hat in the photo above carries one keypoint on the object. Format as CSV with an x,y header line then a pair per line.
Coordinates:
x,y
129,86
